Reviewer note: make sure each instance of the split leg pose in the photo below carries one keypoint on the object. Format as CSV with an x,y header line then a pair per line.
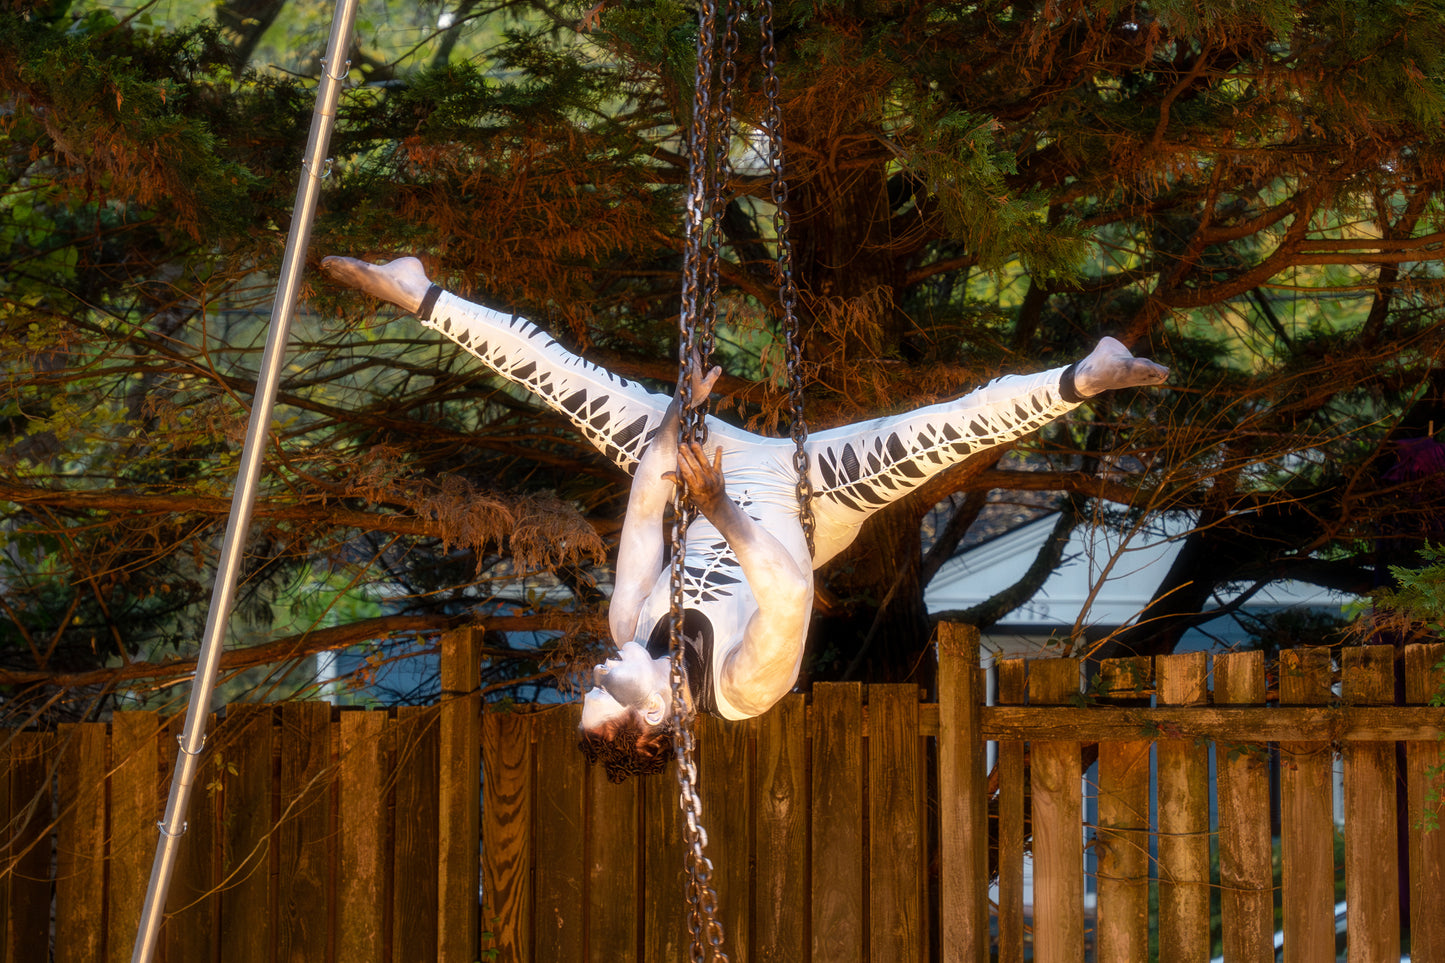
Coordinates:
x,y
747,572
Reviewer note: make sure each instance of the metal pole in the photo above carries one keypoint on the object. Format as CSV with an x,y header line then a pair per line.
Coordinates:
x,y
243,500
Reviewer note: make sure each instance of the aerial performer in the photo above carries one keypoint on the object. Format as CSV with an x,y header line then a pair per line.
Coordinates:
x,y
748,576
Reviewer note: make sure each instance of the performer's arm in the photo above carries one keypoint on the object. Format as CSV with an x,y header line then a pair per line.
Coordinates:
x,y
641,548
765,665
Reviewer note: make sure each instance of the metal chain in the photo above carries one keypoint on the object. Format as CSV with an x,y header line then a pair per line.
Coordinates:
x,y
708,176
707,156
783,274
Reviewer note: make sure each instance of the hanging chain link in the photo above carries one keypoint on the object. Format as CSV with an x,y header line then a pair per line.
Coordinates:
x,y
709,172
783,273
707,167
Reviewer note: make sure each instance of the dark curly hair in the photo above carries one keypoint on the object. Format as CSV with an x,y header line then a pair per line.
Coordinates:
x,y
627,746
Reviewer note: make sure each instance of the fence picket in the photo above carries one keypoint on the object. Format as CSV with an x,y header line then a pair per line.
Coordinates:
x,y
962,798
247,910
1245,853
134,809
1307,823
558,929
1123,839
1372,880
613,860
80,857
1012,825
837,817
507,834
27,831
1425,775
303,851
1183,818
459,796
191,932
362,906
895,831
664,874
414,738
780,907
726,788
1056,778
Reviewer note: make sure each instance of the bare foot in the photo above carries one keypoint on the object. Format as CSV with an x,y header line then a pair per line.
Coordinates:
x,y
1110,365
402,282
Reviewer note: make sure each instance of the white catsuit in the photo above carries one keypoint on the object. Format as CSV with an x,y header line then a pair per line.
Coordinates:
x,y
855,470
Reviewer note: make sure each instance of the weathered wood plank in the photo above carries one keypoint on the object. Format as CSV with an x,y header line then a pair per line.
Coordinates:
x,y
1425,781
962,798
191,932
780,904
558,930
459,797
1012,792
1056,779
1183,818
1307,822
837,818
362,907
28,833
135,794
896,837
507,835
1372,881
1219,723
303,852
726,788
664,873
614,861
248,895
1123,840
415,842
80,845
1245,856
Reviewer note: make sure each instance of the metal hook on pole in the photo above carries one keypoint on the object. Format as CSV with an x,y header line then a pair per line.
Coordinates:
x,y
243,499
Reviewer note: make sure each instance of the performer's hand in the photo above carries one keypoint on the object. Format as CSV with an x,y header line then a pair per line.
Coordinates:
x,y
701,383
705,485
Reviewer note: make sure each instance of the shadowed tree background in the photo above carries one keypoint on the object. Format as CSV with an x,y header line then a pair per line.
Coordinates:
x,y
1250,194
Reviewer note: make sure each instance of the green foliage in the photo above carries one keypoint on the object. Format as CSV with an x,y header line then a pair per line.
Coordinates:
x,y
1248,192
1418,595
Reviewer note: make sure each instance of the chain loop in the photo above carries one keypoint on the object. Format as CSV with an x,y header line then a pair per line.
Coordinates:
x,y
783,273
707,177
709,171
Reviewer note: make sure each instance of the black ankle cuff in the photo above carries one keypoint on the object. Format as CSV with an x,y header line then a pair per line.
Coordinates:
x,y
428,302
1067,391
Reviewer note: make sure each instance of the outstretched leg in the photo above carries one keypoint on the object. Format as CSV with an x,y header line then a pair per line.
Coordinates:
x,y
616,415
859,469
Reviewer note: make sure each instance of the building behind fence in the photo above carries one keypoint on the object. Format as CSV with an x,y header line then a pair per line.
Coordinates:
x,y
856,825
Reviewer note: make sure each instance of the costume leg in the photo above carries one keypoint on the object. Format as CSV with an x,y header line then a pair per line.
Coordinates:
x,y
618,416
858,469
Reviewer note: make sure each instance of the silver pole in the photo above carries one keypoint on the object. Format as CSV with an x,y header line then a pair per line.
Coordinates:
x,y
243,500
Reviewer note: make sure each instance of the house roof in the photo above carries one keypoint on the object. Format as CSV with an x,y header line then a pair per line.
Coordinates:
x,y
1126,567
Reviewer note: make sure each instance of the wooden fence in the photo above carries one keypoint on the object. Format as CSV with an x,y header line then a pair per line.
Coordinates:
x,y
853,826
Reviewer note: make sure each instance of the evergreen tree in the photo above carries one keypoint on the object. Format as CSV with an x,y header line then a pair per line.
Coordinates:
x,y
1250,194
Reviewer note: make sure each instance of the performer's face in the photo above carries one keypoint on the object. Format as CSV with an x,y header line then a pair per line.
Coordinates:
x,y
631,679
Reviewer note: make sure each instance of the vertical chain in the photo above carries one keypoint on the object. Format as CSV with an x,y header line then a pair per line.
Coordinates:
x,y
707,167
783,274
